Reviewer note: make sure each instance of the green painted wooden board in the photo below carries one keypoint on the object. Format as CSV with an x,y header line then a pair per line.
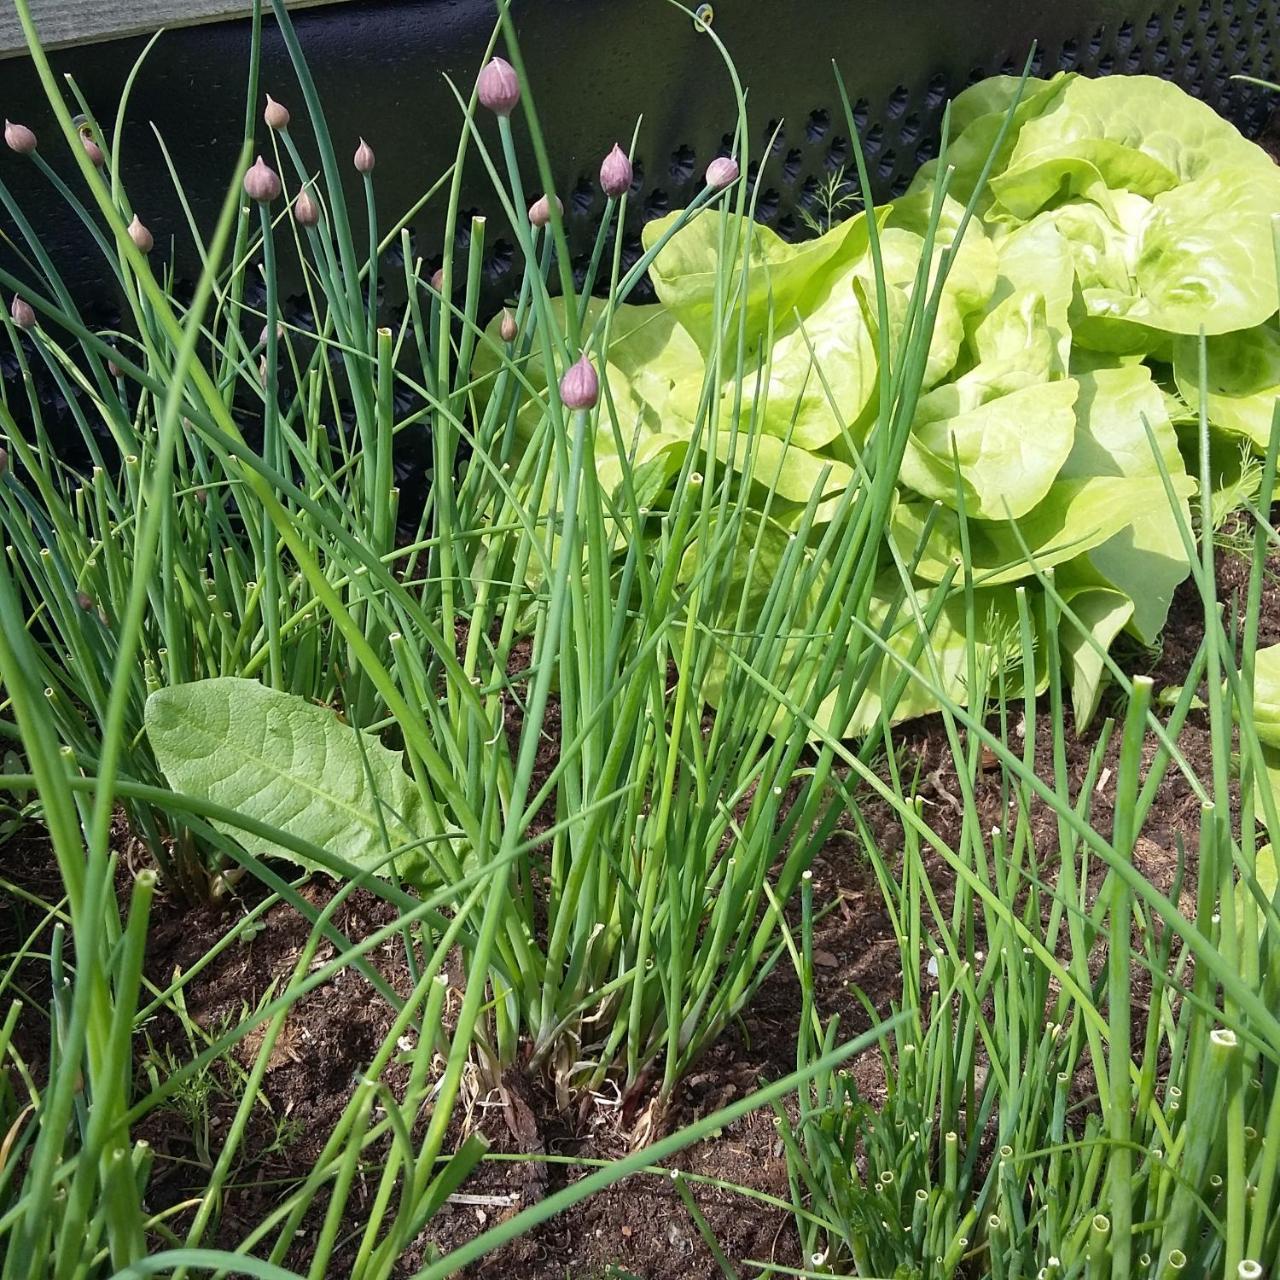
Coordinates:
x,y
67,22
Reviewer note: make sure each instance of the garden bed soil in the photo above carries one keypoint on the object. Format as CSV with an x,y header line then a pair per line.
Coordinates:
x,y
639,1227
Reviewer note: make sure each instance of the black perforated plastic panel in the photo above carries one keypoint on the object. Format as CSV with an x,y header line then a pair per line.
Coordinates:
x,y
597,65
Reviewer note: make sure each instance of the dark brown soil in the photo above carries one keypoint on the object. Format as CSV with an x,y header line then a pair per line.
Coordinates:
x,y
639,1228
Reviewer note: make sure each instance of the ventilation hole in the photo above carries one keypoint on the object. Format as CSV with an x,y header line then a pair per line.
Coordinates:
x,y
791,165
1106,64
682,164
726,145
1124,35
499,259
582,197
768,204
815,128
900,185
976,74
1037,61
774,137
898,100
808,192
910,130
872,140
1095,44
1153,26
1067,58
1186,44
1204,13
1008,67
838,153
887,161
860,109
926,151
656,204
1161,53
1180,17
936,92
787,227
1134,61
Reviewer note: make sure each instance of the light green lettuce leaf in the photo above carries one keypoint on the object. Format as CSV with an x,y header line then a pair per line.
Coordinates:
x,y
1075,516
977,117
1104,613
1243,379
1145,560
1037,258
1266,695
1009,427
1120,133
781,277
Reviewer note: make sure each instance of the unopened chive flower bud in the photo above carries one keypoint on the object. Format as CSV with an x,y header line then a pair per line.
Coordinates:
x,y
722,172
141,236
498,87
114,369
580,388
616,173
305,210
540,211
437,279
364,158
276,114
507,328
4,461
92,150
23,316
85,601
261,183
19,138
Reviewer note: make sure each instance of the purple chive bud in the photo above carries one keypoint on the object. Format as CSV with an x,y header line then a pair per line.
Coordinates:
x,y
722,172
114,369
580,388
616,173
141,236
540,211
19,138
498,87
437,279
305,210
507,328
4,461
276,114
364,157
85,601
23,316
93,151
262,183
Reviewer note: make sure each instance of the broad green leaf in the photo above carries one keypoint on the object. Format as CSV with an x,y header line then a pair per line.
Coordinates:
x,y
1003,424
968,288
1243,379
997,644
1075,516
779,275
1131,133
280,759
977,117
1266,695
1146,560
1037,258
1104,613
